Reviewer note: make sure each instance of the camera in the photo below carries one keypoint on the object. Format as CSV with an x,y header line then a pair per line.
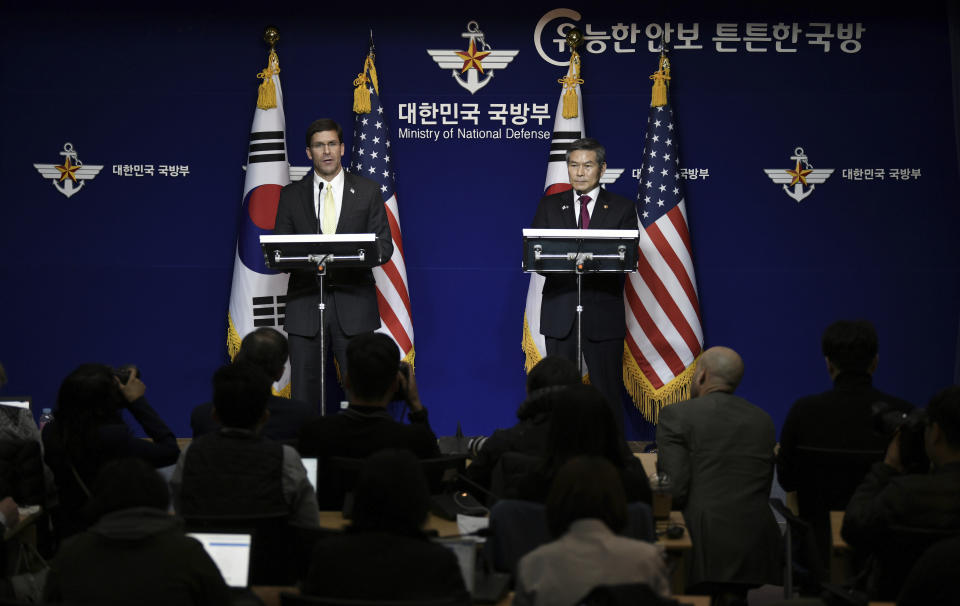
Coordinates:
x,y
401,394
887,421
123,372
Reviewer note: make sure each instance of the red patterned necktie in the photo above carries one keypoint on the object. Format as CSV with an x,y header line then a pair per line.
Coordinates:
x,y
584,213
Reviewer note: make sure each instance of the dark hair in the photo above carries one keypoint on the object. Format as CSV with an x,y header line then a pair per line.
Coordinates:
x,y
586,487
587,144
373,360
89,398
551,371
851,346
581,424
265,347
944,410
240,394
125,483
323,124
391,494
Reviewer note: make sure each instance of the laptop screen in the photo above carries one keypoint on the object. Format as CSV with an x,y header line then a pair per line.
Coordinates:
x,y
230,552
465,549
310,464
21,402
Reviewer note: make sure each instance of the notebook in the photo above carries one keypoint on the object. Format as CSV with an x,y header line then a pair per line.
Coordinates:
x,y
230,552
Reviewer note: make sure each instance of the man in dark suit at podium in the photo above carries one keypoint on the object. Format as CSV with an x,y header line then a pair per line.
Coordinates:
x,y
587,206
329,200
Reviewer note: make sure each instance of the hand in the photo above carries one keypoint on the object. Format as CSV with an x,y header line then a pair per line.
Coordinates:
x,y
408,385
134,388
8,507
892,458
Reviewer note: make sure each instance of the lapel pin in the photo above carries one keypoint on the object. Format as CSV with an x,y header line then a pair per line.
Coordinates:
x,y
605,206
353,191
564,207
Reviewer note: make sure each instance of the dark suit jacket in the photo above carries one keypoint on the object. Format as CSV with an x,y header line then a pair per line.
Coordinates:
x,y
353,290
602,296
287,416
718,452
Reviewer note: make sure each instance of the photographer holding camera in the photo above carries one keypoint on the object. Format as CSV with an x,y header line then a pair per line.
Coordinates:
x,y
375,377
88,430
897,511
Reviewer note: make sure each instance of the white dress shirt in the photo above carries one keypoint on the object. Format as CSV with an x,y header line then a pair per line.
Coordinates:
x,y
593,193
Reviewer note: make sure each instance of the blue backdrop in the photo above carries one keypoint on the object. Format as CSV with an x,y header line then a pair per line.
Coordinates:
x,y
138,268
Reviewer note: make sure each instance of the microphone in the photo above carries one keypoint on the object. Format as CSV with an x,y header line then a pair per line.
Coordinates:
x,y
319,191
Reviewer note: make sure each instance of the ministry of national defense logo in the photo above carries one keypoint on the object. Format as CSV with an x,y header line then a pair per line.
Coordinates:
x,y
70,176
478,61
803,177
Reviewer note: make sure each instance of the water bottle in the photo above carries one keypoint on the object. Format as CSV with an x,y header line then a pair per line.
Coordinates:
x,y
46,415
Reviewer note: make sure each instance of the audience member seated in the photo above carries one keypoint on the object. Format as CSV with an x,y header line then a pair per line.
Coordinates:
x,y
581,424
529,435
889,501
839,419
265,348
717,449
586,507
235,472
374,376
88,431
384,554
135,553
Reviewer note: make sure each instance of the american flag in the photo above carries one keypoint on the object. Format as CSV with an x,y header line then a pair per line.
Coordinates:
x,y
371,156
664,335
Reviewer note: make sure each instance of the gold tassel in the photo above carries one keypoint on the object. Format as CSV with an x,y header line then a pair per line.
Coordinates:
x,y
648,400
267,94
659,96
233,338
529,346
361,94
570,82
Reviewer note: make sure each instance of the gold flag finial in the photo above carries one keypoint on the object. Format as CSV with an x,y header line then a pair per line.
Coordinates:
x,y
572,79
267,93
361,94
660,80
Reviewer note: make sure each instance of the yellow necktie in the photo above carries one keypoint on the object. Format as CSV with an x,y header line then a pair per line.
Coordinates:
x,y
329,211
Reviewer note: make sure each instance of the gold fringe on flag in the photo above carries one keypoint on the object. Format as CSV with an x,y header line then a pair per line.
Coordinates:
x,y
659,96
529,346
570,82
233,338
361,94
267,94
650,401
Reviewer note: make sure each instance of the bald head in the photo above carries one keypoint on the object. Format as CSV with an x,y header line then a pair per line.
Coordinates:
x,y
719,369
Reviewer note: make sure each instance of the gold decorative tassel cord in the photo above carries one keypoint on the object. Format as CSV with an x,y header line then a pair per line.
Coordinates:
x,y
660,79
570,83
361,94
648,400
267,94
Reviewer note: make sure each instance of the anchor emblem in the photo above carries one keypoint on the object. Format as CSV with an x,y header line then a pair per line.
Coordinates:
x,y
478,60
803,178
72,175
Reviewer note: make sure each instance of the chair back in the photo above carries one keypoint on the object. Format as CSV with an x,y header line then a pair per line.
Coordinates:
x,y
802,562
291,599
897,553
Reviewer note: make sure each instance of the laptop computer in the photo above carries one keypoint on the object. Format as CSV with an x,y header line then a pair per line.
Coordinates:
x,y
310,464
230,552
16,402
